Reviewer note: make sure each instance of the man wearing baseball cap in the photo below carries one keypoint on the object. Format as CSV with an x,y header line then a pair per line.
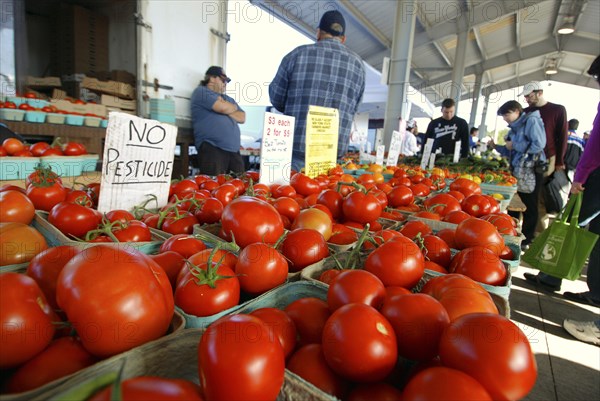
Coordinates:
x,y
215,118
325,74
555,121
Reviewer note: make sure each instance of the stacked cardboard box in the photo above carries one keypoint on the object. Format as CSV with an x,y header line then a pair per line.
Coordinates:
x,y
81,42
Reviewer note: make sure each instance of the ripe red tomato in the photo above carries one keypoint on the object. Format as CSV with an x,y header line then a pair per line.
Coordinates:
x,y
333,201
131,231
418,321
46,266
183,187
360,207
411,228
309,316
447,381
19,243
474,232
305,185
62,357
442,204
182,223
152,388
52,151
118,305
494,351
119,215
465,186
447,234
259,366
280,325
205,290
355,286
315,219
303,247
287,207
37,149
359,343
74,149
309,363
45,196
456,217
260,268
476,205
225,193
460,295
503,223
209,211
400,196
80,197
13,146
183,244
398,262
436,250
172,263
25,317
480,264
251,220
15,206
73,219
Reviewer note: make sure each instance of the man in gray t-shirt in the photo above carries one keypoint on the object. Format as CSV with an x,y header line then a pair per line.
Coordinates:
x,y
215,117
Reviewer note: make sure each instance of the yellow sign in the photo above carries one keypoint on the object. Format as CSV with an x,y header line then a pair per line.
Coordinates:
x,y
322,132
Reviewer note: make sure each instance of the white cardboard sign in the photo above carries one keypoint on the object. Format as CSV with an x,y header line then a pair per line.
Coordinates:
x,y
426,153
379,155
457,146
137,161
276,149
395,146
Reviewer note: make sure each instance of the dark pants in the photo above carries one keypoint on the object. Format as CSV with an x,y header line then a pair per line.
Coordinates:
x,y
213,160
531,213
590,206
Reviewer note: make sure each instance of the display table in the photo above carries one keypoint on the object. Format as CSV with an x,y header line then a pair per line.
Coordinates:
x,y
93,138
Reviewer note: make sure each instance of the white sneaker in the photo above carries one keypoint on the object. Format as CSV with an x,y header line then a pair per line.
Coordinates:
x,y
586,331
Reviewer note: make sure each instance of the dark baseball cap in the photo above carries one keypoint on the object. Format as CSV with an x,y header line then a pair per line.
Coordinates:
x,y
333,22
218,72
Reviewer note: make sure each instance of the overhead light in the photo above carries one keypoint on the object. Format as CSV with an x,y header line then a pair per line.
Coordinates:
x,y
567,27
551,69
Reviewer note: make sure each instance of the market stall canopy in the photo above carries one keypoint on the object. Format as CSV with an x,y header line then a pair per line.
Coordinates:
x,y
376,94
510,42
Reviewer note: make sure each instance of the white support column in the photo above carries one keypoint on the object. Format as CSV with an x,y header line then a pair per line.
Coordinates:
x,y
398,82
482,126
458,69
476,96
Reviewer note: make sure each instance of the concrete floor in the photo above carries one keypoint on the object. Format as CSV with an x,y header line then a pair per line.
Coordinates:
x,y
568,370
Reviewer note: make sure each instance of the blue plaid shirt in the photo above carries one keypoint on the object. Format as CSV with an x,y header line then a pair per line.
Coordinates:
x,y
325,74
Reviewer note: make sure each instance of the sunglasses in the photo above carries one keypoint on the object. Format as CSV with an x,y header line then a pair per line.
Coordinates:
x,y
225,79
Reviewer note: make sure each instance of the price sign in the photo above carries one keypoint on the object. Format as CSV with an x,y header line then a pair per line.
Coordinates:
x,y
426,153
276,149
322,131
137,161
379,155
395,146
457,146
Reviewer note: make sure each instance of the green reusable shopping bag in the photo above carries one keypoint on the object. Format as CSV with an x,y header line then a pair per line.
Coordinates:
x,y
562,249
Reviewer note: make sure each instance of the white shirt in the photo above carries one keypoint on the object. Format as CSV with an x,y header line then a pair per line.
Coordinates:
x,y
409,145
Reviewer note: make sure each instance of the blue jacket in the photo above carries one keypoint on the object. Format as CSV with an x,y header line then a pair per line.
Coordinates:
x,y
527,134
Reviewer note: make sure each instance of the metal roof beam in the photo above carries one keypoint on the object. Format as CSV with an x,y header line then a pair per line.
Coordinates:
x,y
375,32
482,13
541,48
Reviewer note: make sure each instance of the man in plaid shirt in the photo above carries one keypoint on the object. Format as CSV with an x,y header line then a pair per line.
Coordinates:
x,y
325,74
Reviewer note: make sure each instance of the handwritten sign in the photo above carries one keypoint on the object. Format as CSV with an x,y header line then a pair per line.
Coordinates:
x,y
322,132
276,149
138,160
432,161
379,155
426,153
457,146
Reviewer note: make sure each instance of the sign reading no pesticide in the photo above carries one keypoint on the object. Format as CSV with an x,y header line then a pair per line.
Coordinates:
x,y
137,161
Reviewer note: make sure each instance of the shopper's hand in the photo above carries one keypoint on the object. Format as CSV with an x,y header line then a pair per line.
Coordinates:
x,y
576,188
559,167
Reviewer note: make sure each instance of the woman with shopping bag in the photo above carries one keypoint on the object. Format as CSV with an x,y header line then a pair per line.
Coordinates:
x,y
587,176
526,140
